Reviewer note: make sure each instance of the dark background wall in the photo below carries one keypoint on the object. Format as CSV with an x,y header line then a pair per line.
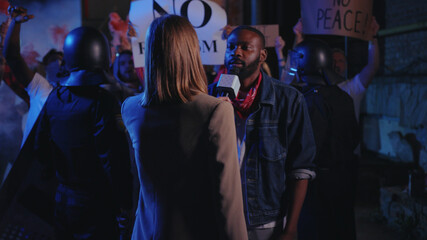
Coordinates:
x,y
395,104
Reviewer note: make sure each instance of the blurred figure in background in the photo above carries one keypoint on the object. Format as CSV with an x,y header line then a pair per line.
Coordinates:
x,y
127,82
286,70
53,62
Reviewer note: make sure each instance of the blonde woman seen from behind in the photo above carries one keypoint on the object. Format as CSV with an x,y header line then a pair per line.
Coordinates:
x,y
185,144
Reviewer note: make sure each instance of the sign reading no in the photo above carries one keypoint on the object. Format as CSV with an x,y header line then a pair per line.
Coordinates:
x,y
207,17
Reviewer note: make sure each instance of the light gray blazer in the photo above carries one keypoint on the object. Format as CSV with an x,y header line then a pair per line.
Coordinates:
x,y
187,163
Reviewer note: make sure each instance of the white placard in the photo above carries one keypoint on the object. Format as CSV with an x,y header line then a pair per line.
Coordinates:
x,y
207,17
337,17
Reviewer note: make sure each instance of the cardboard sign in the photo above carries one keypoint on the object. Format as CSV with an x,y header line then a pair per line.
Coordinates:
x,y
270,33
207,17
337,17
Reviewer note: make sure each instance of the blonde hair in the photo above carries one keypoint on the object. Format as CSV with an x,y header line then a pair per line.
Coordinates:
x,y
173,68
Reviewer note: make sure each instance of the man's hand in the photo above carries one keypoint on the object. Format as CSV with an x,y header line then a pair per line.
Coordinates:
x,y
288,235
298,28
19,14
226,31
131,30
279,45
373,27
12,49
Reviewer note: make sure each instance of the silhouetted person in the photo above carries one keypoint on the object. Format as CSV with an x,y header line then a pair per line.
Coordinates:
x,y
328,211
78,132
126,82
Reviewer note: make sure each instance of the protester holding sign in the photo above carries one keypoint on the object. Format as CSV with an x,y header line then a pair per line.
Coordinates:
x,y
318,224
356,87
357,22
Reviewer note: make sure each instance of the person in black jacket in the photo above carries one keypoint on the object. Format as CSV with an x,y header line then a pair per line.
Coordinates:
x,y
78,132
328,211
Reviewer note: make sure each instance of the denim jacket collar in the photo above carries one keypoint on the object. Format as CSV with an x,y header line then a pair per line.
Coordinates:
x,y
267,92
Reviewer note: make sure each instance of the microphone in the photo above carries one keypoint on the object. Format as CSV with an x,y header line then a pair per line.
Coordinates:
x,y
229,84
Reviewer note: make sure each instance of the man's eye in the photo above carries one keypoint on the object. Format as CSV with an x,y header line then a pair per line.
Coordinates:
x,y
246,47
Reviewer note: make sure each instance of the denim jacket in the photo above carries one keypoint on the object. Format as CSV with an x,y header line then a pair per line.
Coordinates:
x,y
279,144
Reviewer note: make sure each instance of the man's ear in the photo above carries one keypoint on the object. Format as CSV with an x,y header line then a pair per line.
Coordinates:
x,y
263,55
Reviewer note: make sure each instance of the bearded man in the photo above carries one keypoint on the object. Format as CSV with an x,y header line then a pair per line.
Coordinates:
x,y
274,139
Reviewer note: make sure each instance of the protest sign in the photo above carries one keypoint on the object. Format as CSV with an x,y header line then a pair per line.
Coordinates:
x,y
337,17
207,17
270,33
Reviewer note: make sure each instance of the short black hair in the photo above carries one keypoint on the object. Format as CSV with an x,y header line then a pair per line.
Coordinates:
x,y
252,29
50,53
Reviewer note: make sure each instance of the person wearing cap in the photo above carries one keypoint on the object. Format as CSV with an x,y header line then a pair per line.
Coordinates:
x,y
78,132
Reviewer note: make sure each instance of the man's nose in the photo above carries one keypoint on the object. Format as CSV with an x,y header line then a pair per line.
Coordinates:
x,y
237,51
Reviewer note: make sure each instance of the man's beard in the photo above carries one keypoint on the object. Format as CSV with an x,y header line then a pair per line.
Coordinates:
x,y
246,70
251,68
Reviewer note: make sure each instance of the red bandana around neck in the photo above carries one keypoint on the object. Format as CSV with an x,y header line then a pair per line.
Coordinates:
x,y
243,106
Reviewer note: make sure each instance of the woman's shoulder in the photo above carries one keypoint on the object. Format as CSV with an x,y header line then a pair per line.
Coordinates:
x,y
209,104
131,102
203,98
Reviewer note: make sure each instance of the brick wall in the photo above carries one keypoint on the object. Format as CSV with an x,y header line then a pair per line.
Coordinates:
x,y
396,102
405,53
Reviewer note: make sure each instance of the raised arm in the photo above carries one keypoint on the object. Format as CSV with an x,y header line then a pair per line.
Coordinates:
x,y
12,49
368,72
298,29
299,37
279,45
